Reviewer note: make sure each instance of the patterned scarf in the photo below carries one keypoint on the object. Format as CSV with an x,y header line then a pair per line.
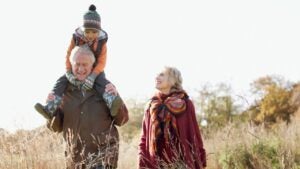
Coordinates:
x,y
163,109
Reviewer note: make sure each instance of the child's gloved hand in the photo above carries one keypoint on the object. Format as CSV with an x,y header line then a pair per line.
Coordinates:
x,y
51,97
111,89
71,78
89,82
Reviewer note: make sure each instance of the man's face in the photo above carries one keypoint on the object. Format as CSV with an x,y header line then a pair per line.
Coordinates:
x,y
91,34
82,66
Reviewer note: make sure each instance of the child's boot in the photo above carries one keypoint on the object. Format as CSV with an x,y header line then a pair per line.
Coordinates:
x,y
50,108
113,102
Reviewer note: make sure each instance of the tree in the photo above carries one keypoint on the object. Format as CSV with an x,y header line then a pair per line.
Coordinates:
x,y
273,104
217,104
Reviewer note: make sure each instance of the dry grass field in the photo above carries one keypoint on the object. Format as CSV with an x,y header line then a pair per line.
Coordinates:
x,y
233,147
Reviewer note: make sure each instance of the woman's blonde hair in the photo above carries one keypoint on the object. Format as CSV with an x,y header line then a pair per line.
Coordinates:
x,y
174,77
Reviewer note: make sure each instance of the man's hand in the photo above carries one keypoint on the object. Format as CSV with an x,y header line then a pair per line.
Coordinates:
x,y
89,82
111,89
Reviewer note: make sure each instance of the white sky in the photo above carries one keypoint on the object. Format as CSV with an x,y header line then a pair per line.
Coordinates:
x,y
232,41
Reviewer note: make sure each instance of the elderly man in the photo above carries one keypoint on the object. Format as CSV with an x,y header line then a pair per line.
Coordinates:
x,y
85,120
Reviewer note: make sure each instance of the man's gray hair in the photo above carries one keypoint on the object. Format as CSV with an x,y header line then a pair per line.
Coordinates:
x,y
83,49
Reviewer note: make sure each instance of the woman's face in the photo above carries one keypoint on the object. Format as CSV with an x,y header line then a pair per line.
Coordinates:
x,y
161,82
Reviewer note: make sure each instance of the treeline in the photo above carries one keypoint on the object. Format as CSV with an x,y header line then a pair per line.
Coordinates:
x,y
270,101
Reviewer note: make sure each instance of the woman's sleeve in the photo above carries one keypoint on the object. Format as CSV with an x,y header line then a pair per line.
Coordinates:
x,y
143,154
196,138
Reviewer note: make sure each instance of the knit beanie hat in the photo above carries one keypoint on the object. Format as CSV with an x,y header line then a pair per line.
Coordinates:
x,y
91,19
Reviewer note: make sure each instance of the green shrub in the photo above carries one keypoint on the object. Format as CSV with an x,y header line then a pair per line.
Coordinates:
x,y
260,155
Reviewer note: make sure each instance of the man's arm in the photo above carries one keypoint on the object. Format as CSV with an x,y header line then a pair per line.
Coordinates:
x,y
122,117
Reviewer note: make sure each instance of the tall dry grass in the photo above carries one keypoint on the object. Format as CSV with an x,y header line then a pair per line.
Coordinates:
x,y
235,146
247,146
36,149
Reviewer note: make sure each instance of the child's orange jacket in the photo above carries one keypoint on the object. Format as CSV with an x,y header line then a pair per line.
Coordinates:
x,y
98,47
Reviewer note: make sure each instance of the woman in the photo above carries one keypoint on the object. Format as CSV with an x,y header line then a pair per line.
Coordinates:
x,y
170,136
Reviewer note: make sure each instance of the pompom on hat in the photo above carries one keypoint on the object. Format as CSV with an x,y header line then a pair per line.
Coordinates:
x,y
91,19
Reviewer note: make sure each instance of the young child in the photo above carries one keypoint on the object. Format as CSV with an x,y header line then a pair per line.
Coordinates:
x,y
96,38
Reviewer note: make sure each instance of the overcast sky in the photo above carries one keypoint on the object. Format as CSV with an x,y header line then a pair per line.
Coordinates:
x,y
232,41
